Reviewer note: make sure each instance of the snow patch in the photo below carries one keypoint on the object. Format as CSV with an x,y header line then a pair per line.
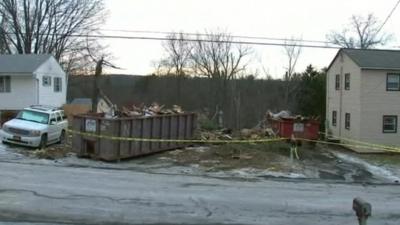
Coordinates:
x,y
377,171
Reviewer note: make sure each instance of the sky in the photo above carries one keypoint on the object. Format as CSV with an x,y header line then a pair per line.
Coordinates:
x,y
305,19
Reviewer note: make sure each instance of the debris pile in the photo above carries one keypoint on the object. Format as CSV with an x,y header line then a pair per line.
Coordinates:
x,y
256,133
52,152
152,110
264,129
221,134
265,123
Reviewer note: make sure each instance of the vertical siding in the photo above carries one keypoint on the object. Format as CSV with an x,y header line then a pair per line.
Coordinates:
x,y
23,93
376,102
47,96
344,101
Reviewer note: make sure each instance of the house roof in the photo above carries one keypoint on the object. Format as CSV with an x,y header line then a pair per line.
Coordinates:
x,y
21,63
82,101
373,58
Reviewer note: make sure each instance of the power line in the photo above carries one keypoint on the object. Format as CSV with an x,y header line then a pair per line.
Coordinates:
x,y
192,40
202,34
388,17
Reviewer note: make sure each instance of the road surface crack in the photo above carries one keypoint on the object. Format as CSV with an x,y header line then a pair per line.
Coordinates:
x,y
140,201
202,204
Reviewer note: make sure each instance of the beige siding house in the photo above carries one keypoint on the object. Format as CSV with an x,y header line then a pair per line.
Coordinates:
x,y
363,96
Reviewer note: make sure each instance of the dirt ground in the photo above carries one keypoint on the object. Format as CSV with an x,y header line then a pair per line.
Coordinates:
x,y
233,156
316,161
52,152
268,160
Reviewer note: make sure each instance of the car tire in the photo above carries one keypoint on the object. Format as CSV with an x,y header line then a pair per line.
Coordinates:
x,y
62,138
43,141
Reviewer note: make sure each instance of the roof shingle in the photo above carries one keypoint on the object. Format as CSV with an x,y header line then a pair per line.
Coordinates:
x,y
21,63
374,58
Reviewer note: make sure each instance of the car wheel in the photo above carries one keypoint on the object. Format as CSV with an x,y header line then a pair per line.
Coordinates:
x,y
62,138
43,141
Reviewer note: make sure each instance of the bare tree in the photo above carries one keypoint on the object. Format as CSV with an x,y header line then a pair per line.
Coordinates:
x,y
178,50
3,41
48,26
100,61
78,60
292,52
361,32
215,56
161,67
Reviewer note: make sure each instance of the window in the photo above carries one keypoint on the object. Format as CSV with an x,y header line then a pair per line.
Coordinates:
x,y
63,116
5,84
393,82
33,116
53,119
389,124
57,84
46,81
334,118
347,81
59,117
337,82
347,121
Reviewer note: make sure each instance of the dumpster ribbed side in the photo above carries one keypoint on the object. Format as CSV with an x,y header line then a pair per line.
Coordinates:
x,y
154,127
77,140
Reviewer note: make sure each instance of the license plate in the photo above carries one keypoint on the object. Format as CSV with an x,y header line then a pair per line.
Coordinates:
x,y
18,138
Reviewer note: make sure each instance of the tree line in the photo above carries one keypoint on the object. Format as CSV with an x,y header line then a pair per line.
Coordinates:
x,y
59,27
52,27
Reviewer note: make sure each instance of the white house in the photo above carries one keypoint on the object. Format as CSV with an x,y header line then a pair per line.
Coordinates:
x,y
363,96
31,79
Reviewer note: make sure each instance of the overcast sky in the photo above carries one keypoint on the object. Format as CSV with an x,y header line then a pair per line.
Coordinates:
x,y
306,19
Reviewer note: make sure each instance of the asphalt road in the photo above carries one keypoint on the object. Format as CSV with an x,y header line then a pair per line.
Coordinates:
x,y
45,194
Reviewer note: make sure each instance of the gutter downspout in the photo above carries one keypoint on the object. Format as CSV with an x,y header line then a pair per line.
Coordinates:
x,y
37,88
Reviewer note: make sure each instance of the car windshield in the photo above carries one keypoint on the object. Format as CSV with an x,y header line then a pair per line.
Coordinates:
x,y
33,116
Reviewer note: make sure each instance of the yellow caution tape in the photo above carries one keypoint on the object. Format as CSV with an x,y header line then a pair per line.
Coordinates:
x,y
266,140
114,138
387,149
397,149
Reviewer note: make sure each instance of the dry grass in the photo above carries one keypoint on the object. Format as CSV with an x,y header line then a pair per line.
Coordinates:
x,y
231,156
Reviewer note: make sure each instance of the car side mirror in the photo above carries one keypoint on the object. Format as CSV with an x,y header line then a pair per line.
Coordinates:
x,y
53,122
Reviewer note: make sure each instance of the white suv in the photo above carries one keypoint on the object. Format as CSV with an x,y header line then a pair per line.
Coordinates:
x,y
36,126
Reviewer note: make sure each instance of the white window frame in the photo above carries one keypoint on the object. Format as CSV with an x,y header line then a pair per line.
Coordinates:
x,y
347,81
57,86
347,121
394,124
337,82
5,84
334,118
46,81
387,82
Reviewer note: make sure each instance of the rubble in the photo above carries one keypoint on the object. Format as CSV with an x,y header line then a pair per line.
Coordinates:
x,y
264,129
221,134
286,115
106,108
152,110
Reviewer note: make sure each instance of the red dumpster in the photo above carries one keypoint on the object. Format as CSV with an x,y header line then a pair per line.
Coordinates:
x,y
301,128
